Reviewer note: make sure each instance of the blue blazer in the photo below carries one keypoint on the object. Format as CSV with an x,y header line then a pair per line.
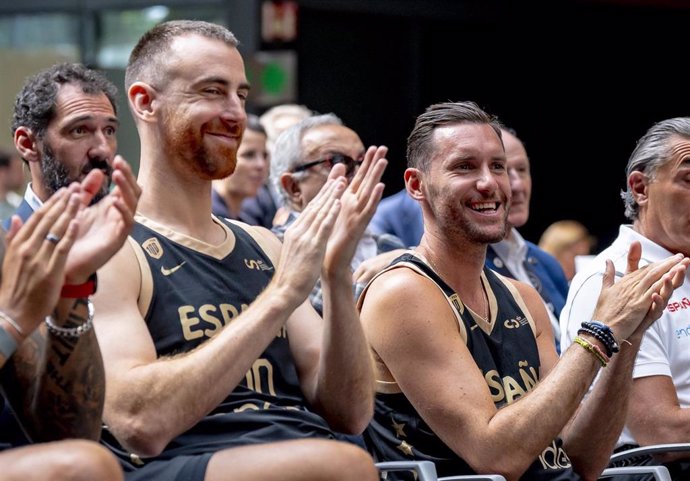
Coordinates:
x,y
11,434
548,272
400,215
24,211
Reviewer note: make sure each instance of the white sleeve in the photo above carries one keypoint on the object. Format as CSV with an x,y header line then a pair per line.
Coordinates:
x,y
652,358
579,307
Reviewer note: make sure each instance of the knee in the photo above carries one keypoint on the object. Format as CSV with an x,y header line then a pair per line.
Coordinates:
x,y
101,464
85,461
69,460
353,464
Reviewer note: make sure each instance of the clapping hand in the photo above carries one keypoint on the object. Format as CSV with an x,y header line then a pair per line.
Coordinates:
x,y
104,226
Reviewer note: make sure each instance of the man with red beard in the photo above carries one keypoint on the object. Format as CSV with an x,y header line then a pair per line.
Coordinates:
x,y
462,353
64,125
216,365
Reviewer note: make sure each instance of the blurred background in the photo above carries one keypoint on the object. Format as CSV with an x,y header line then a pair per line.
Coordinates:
x,y
579,81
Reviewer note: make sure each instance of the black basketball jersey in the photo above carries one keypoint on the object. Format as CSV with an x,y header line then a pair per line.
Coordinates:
x,y
505,350
196,290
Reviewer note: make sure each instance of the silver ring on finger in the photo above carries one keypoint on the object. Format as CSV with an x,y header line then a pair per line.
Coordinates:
x,y
52,238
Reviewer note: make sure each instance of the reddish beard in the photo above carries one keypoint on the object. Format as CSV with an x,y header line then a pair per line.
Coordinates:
x,y
184,144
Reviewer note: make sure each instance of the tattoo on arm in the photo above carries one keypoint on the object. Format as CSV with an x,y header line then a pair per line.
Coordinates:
x,y
62,381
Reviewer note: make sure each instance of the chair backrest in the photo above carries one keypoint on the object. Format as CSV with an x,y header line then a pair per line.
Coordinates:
x,y
426,471
649,450
660,473
474,477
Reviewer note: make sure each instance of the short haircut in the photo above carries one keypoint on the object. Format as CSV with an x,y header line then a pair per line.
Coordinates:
x,y
420,142
146,62
652,151
35,105
287,150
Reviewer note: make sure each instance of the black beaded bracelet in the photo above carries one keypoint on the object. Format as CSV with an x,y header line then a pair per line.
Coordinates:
x,y
603,333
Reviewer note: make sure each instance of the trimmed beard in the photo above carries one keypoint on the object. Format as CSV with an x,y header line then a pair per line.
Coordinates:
x,y
56,176
186,147
450,219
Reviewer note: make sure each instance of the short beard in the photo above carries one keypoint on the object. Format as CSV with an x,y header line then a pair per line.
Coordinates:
x,y
56,176
454,223
184,145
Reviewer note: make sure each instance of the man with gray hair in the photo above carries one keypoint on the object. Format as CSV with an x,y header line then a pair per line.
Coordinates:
x,y
303,156
657,201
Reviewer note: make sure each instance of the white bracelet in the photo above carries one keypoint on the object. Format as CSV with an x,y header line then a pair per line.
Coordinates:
x,y
72,331
12,322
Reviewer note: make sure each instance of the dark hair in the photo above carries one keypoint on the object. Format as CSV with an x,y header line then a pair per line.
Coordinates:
x,y
254,124
146,62
420,143
35,104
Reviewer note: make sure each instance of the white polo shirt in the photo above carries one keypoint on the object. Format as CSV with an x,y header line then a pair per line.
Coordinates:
x,y
665,346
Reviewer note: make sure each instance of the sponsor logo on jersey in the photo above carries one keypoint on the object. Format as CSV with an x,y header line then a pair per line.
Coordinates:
x,y
457,303
257,264
166,272
515,323
153,248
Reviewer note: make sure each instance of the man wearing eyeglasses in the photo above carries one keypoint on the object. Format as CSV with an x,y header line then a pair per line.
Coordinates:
x,y
303,155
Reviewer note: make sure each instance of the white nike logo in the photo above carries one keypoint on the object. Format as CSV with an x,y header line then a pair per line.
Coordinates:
x,y
167,272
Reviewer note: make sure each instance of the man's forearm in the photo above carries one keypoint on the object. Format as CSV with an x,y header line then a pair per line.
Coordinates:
x,y
57,384
345,385
592,435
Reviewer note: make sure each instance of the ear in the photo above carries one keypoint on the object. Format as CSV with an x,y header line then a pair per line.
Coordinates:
x,y
141,97
413,183
638,187
26,144
292,188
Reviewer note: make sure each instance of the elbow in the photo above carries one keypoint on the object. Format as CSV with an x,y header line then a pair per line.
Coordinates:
x,y
590,466
510,465
352,420
353,425
508,470
358,424
145,438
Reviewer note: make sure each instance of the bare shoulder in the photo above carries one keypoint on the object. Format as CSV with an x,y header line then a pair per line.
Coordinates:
x,y
405,299
528,293
266,239
398,285
122,266
120,279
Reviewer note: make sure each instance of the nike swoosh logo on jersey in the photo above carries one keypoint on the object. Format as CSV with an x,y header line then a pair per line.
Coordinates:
x,y
167,272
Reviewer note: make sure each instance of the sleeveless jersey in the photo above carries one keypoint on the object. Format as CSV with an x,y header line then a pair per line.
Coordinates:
x,y
197,289
506,353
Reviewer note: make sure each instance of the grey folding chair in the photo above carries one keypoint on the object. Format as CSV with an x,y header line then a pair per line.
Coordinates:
x,y
652,449
660,473
426,471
